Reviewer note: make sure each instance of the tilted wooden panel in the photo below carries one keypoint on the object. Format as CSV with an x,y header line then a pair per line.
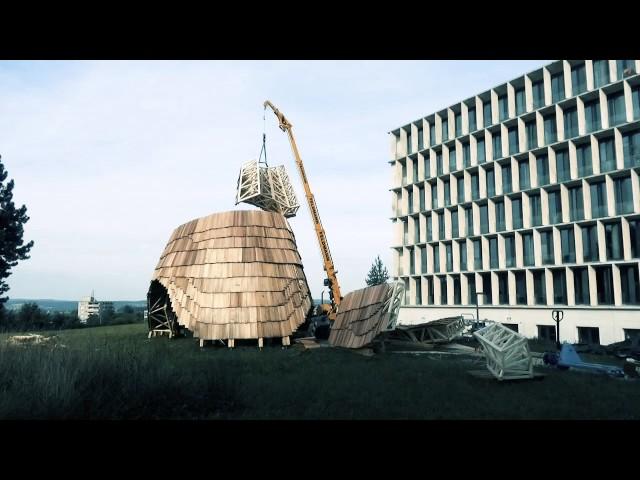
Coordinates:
x,y
361,316
235,275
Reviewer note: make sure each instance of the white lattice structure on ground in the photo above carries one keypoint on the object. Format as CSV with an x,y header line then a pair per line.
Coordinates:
x,y
268,188
507,352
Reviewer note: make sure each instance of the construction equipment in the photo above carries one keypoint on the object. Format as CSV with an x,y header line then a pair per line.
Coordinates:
x,y
569,359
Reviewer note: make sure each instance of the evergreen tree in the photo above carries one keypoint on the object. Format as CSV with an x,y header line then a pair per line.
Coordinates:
x,y
378,273
12,220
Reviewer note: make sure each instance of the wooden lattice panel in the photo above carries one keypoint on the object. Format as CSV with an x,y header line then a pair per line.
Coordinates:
x,y
268,188
365,313
235,275
507,352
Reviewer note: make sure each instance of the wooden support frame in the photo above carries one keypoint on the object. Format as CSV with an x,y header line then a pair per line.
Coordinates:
x,y
161,319
507,352
443,330
268,188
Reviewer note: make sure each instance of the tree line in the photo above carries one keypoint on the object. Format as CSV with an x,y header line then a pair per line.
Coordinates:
x,y
30,317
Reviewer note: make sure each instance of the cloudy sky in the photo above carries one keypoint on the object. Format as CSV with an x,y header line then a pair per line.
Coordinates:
x,y
110,157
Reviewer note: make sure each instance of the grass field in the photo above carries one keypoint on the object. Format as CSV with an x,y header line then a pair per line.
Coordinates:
x,y
117,373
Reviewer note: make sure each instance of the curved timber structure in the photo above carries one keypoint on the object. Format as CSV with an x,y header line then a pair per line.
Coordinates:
x,y
234,275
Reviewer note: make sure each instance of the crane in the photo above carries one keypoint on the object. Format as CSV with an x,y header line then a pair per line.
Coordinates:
x,y
332,280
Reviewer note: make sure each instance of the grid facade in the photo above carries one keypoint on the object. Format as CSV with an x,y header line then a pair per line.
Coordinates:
x,y
528,193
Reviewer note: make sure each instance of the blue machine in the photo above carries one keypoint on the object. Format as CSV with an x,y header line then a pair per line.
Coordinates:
x,y
569,358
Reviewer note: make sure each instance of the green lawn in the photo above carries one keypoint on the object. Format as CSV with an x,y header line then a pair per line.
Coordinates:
x,y
116,372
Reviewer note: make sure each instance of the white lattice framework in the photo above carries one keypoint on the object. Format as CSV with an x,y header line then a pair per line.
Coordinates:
x,y
392,305
507,352
268,188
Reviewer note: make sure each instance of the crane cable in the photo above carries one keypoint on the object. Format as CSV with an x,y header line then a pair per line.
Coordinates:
x,y
264,139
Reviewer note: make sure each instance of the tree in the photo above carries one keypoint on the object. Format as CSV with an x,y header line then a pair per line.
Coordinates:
x,y
378,273
12,246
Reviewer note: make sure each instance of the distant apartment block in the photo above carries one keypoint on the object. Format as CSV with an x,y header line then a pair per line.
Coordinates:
x,y
526,198
90,306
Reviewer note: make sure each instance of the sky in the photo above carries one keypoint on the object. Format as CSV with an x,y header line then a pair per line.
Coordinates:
x,y
111,156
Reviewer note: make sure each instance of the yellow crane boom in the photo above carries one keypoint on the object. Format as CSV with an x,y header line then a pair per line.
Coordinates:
x,y
329,268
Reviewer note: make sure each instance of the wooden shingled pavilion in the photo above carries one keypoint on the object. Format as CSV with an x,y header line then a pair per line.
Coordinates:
x,y
231,275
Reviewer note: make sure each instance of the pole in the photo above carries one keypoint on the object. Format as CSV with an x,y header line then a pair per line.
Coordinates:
x,y
477,307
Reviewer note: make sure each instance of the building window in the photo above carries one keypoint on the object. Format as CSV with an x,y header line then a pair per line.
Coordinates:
x,y
510,251
604,283
412,262
521,288
454,224
475,186
452,160
601,72
578,79
448,248
443,291
430,295
416,231
506,178
491,183
634,233
512,326
629,284
499,209
457,293
447,193
539,287
441,234
516,211
528,257
486,288
562,165
592,116
542,164
613,240
624,195
469,219
473,126
460,185
547,333
503,107
405,225
550,131
422,198
409,146
557,87
532,134
436,258
559,287
420,139
423,259
524,177
477,255
434,196
486,109
463,255
458,124
410,200
471,288
418,292
445,130
571,122
428,222
404,174
546,243
520,103
576,204
493,252
482,157
503,288
625,68
581,285
631,333
432,134
607,155
497,145
427,166
590,243
585,162
513,140
555,206
439,166
415,171
538,94
631,149
589,335
617,113
536,210
635,99
598,199
567,238
466,155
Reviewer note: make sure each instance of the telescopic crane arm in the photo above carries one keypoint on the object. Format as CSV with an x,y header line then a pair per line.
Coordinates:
x,y
329,268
